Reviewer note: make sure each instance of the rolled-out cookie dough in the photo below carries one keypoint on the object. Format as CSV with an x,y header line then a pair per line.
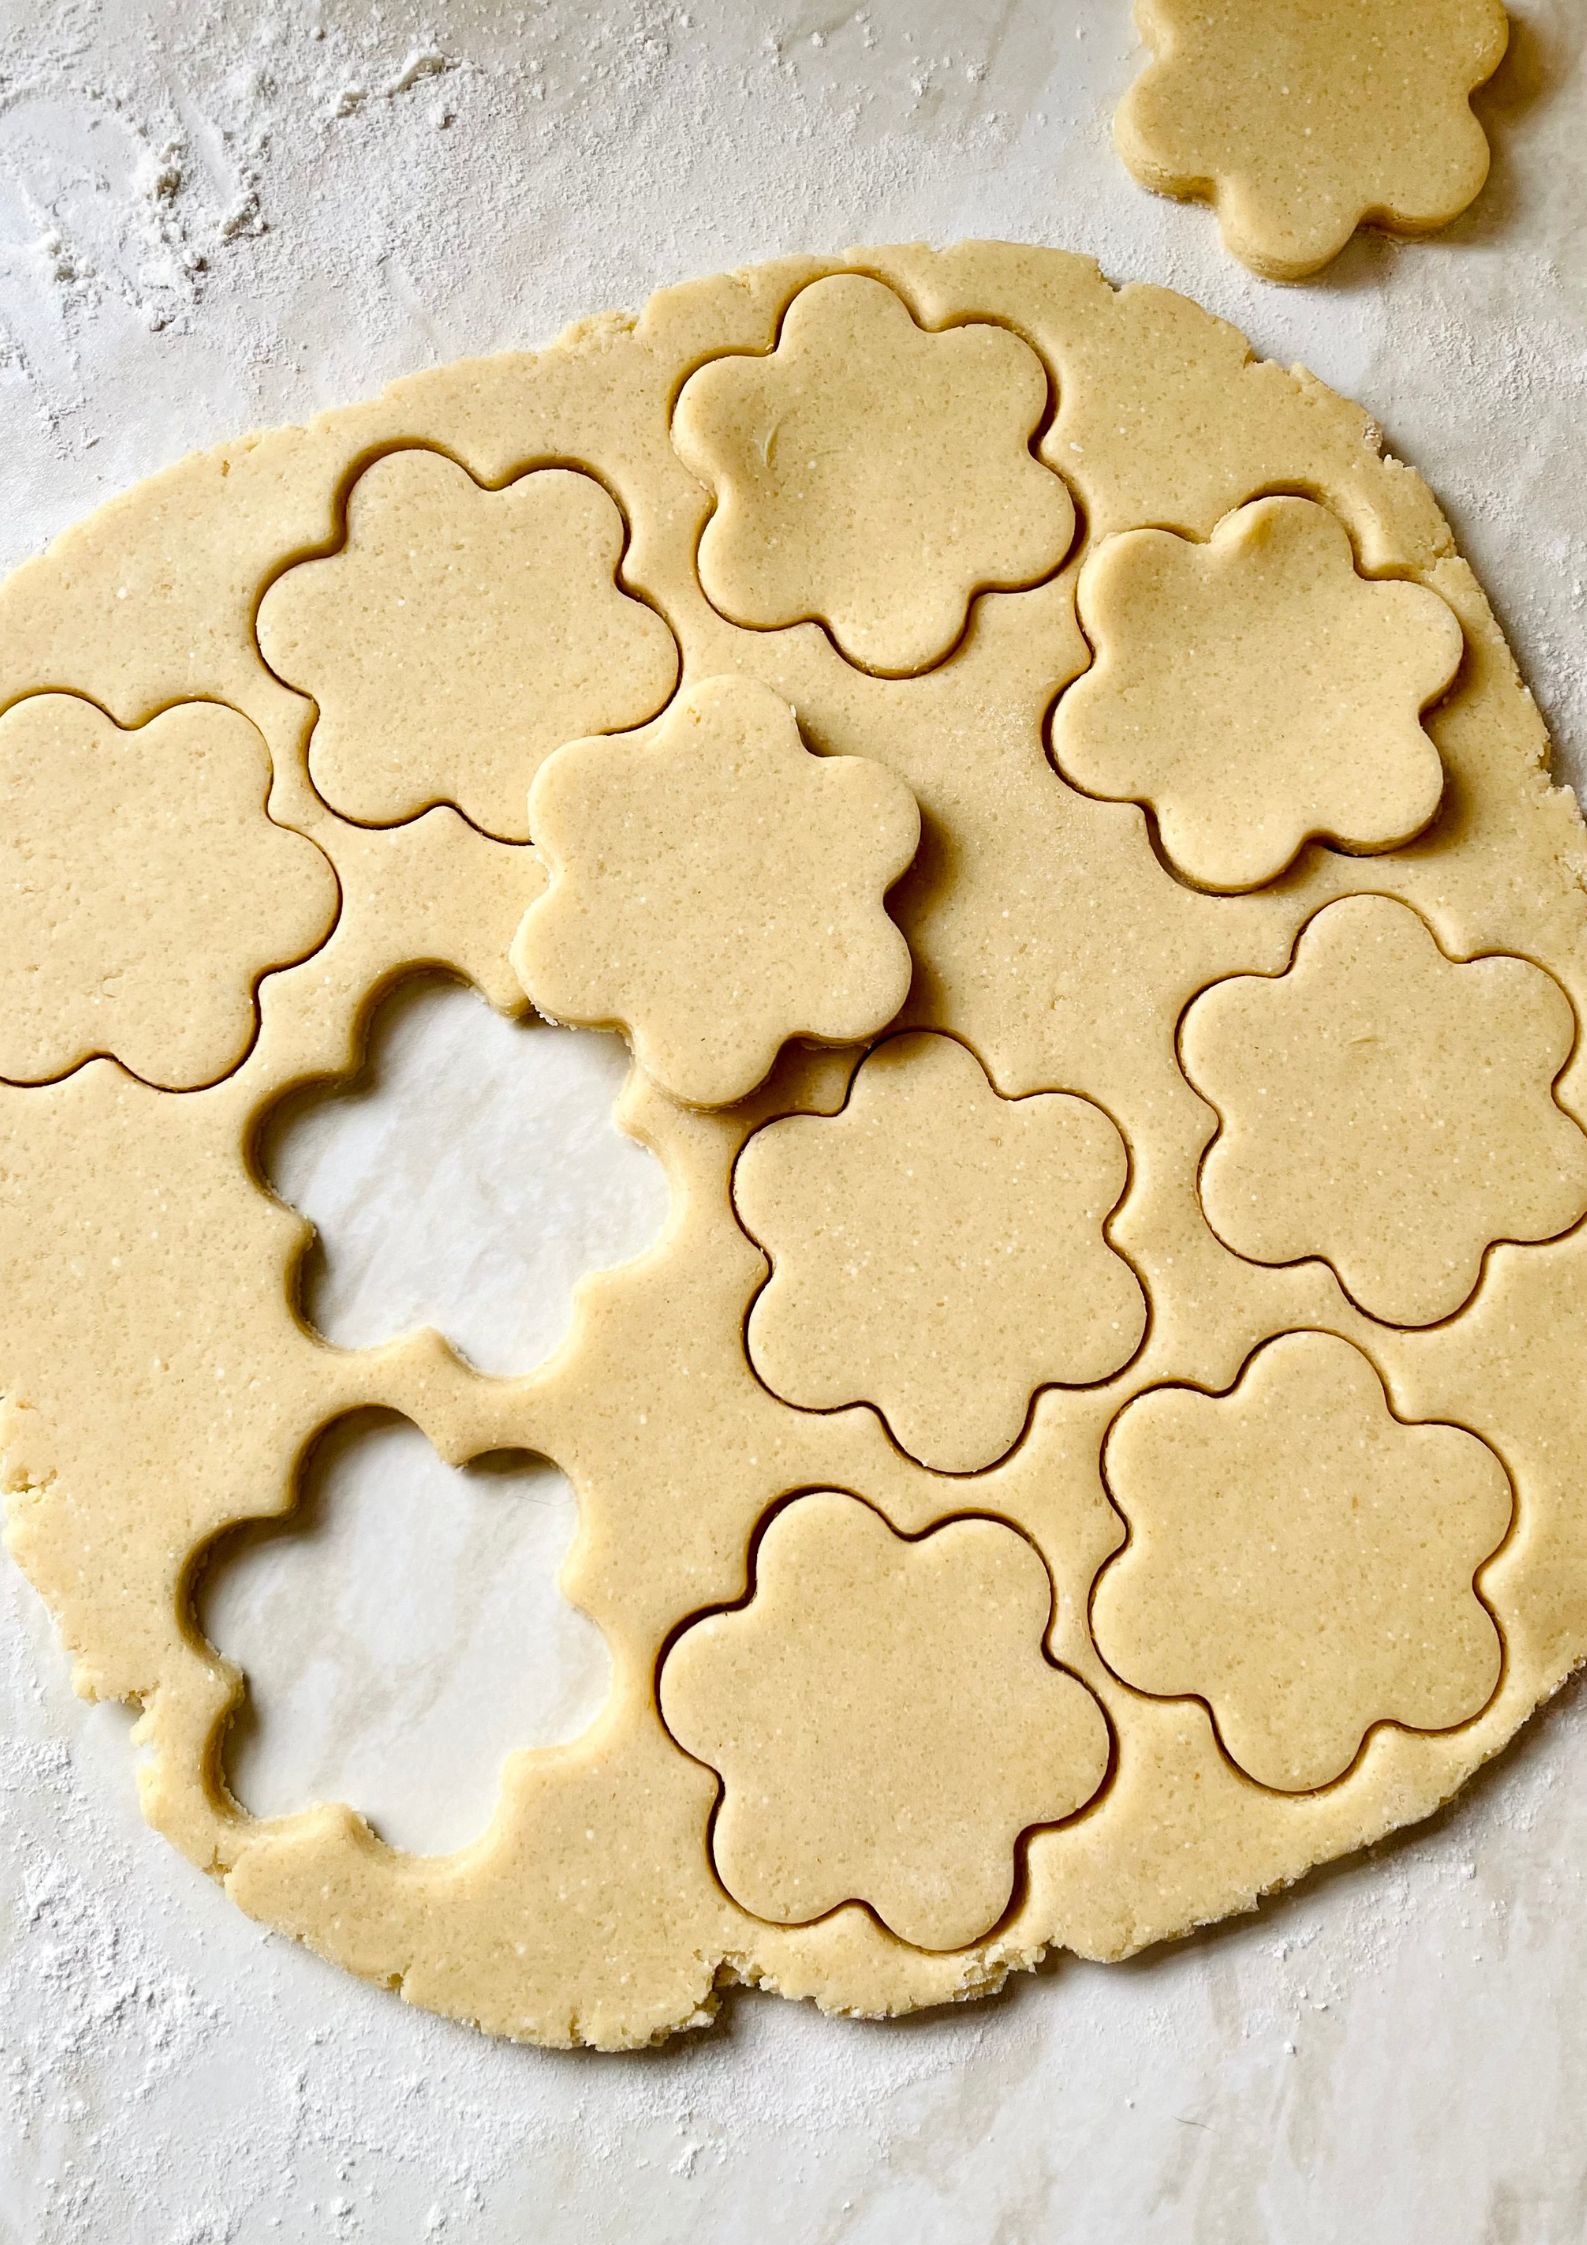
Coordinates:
x,y
1042,1105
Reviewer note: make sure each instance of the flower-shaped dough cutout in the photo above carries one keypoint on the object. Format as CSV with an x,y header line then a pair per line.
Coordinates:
x,y
884,1719
717,889
1300,119
1302,1560
1387,1108
939,1252
872,474
459,635
1256,693
144,890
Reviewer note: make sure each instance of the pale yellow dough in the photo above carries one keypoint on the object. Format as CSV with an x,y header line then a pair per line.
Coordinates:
x,y
716,890
1301,1560
144,891
859,427
1387,1108
888,1644
938,1252
1304,119
458,635
1255,692
162,1386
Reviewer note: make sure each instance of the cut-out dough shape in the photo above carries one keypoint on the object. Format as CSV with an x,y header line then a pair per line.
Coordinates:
x,y
1387,1108
1302,1560
884,1720
716,890
938,1252
872,475
1303,119
459,635
144,890
1256,693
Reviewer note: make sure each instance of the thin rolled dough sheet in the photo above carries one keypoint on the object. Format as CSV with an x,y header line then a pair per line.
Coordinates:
x,y
906,602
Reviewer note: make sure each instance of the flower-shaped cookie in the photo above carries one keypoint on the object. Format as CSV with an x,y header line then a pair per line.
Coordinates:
x,y
1386,1108
1300,119
1301,1559
1256,693
144,892
872,474
938,1252
716,889
884,1719
459,635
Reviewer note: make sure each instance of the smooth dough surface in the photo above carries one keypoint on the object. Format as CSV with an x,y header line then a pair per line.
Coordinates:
x,y
1298,716
1388,1108
457,635
887,1642
93,818
1301,120
716,890
1302,1560
861,434
1070,1070
938,1252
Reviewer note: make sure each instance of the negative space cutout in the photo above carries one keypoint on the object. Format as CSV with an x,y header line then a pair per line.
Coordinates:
x,y
401,1632
716,890
1387,1108
938,1252
885,1720
1255,692
872,474
1303,119
1302,1560
466,1179
458,635
144,890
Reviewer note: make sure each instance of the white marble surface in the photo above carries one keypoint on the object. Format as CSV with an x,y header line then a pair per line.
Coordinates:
x,y
1396,2051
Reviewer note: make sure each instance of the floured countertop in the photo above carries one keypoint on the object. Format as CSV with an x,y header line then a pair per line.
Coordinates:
x,y
220,219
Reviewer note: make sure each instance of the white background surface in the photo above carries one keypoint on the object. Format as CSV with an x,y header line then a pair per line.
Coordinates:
x,y
220,217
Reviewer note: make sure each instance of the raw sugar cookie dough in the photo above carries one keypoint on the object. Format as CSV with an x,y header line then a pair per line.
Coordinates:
x,y
1300,120
1101,1432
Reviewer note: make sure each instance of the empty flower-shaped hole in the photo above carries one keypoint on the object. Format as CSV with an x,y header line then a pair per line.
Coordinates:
x,y
465,1179
402,1631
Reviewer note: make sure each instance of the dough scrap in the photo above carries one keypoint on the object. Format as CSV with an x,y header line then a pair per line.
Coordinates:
x,y
716,890
810,1701
1387,1108
1256,693
458,634
872,474
160,1385
144,890
939,1252
1302,1560
1304,119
